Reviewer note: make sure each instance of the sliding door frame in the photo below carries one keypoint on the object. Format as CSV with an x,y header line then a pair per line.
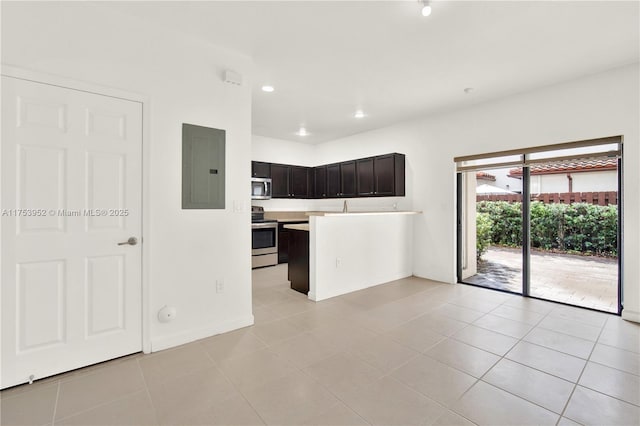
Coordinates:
x,y
525,162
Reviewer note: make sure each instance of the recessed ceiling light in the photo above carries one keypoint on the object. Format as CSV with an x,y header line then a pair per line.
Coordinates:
x,y
359,114
267,88
468,90
426,8
302,132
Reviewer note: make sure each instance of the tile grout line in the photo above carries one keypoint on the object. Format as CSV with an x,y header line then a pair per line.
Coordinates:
x,y
480,379
575,386
146,388
235,386
55,406
326,388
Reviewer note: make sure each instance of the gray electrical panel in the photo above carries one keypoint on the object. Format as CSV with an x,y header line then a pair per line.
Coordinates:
x,y
203,167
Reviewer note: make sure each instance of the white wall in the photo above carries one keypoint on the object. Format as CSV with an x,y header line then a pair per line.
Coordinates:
x,y
352,252
273,150
188,249
604,104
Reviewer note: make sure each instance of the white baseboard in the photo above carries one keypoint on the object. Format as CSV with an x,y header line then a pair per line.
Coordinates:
x,y
631,315
347,290
166,342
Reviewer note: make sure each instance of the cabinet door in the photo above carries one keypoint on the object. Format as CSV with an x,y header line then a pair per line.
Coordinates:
x,y
384,175
299,182
283,244
364,174
389,175
348,177
333,181
280,181
320,182
260,169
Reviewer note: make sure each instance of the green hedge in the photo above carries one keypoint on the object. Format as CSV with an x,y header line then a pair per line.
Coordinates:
x,y
574,228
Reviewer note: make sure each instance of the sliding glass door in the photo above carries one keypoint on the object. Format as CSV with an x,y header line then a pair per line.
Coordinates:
x,y
544,223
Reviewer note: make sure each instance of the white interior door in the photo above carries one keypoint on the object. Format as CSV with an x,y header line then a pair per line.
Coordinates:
x,y
71,191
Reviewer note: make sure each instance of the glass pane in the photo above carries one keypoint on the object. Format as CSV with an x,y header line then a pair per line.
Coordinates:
x,y
492,229
263,238
574,231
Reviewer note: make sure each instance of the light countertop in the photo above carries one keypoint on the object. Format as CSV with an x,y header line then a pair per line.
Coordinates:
x,y
363,213
298,227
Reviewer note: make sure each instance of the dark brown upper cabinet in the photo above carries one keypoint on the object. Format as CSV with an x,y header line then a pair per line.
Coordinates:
x,y
389,173
289,181
341,180
334,186
279,181
348,176
260,169
365,180
299,182
379,176
320,182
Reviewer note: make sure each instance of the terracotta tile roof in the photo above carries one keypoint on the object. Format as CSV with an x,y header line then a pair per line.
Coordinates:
x,y
588,165
485,176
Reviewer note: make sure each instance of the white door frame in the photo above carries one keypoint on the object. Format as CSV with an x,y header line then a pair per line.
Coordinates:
x,y
24,74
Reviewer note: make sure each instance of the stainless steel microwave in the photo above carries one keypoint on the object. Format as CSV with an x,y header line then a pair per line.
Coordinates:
x,y
260,188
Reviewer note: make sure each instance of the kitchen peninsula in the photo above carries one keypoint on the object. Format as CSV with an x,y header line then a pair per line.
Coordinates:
x,y
351,251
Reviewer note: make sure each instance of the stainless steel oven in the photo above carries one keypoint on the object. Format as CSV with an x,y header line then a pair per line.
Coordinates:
x,y
264,239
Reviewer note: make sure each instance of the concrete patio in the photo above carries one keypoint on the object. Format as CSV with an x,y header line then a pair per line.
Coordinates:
x,y
587,281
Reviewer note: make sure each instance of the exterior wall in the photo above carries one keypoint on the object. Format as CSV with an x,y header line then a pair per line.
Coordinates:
x,y
606,180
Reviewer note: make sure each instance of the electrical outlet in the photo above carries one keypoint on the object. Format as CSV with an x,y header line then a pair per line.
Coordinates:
x,y
338,262
219,286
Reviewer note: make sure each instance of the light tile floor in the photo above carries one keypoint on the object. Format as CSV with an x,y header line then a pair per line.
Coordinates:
x,y
408,352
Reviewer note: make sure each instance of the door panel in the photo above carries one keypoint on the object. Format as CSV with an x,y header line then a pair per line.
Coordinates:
x,y
41,289
71,191
105,304
41,182
105,189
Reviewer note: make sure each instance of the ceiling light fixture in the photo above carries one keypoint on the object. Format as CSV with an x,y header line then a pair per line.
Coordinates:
x,y
359,114
468,90
302,132
267,88
426,7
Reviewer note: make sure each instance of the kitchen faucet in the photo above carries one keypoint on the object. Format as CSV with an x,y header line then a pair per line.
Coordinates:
x,y
345,209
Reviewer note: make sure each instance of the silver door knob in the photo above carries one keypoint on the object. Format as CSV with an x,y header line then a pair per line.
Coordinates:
x,y
132,241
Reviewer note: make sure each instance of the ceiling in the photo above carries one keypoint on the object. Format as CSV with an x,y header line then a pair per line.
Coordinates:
x,y
326,59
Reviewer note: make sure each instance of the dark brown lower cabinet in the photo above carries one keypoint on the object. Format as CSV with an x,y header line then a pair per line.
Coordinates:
x,y
283,244
299,260
283,241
